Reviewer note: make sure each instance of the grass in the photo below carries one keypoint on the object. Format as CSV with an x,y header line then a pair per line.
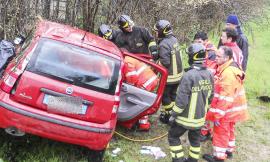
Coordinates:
x,y
257,81
253,140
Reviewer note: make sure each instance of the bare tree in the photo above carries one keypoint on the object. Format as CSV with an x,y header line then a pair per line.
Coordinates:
x,y
186,16
56,9
46,9
89,13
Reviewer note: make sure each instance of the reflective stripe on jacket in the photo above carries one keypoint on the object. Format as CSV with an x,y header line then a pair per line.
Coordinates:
x,y
229,103
194,91
139,74
170,58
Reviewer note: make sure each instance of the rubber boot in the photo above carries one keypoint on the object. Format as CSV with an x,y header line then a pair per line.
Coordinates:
x,y
179,159
229,155
190,159
164,117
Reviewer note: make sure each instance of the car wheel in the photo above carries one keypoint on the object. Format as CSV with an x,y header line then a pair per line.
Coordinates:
x,y
96,156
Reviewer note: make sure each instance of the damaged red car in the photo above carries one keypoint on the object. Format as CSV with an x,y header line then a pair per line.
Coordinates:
x,y
67,85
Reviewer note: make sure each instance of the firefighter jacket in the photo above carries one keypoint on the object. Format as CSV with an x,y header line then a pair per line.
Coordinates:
x,y
237,53
229,103
170,58
193,94
139,74
115,40
136,41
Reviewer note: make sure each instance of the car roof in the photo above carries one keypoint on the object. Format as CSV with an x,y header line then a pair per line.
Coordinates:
x,y
75,36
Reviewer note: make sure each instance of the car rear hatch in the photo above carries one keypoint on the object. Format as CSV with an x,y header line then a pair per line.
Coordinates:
x,y
69,80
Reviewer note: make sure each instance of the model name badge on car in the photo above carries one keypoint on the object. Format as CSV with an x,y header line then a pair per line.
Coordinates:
x,y
25,96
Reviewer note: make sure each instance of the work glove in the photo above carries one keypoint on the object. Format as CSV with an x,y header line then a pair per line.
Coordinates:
x,y
154,51
216,123
171,120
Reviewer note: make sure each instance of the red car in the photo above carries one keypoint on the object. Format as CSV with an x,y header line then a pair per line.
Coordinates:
x,y
66,85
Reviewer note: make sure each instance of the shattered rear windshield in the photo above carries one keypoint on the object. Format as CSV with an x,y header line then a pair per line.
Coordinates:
x,y
75,65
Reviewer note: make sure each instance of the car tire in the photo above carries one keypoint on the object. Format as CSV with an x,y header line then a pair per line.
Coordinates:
x,y
96,156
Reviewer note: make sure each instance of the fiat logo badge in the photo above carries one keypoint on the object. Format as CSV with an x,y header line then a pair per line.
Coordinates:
x,y
69,90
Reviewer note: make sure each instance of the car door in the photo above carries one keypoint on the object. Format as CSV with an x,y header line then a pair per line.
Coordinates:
x,y
136,102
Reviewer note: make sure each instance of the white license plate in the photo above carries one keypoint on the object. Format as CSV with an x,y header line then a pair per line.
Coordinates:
x,y
70,105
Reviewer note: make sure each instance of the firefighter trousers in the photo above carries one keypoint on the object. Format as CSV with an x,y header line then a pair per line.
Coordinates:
x,y
223,139
169,96
176,148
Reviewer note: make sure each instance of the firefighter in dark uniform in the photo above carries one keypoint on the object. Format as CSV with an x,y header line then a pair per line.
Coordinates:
x,y
135,39
106,32
193,95
169,56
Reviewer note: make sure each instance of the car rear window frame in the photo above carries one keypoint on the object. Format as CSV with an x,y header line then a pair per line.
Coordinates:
x,y
114,78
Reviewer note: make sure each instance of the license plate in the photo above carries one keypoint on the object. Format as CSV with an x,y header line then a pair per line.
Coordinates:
x,y
65,104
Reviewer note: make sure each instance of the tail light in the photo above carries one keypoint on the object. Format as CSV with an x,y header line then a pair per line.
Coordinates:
x,y
9,81
115,106
117,97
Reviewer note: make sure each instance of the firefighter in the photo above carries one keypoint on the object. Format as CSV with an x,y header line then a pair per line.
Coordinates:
x,y
106,32
228,38
135,39
211,65
188,114
169,57
142,76
228,106
136,72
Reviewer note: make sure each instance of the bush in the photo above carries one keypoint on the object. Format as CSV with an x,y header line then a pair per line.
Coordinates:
x,y
187,16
